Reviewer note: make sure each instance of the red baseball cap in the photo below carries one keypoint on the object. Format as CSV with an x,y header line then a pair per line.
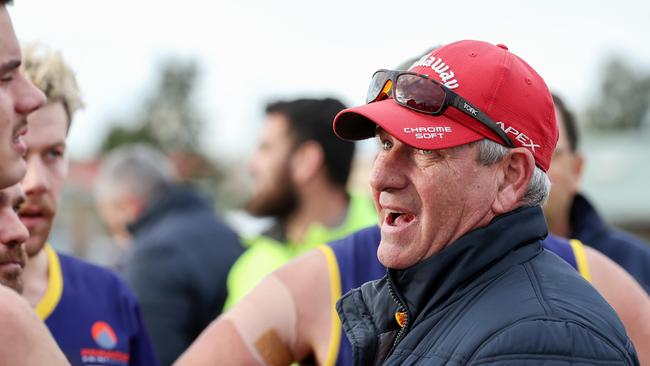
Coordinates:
x,y
497,82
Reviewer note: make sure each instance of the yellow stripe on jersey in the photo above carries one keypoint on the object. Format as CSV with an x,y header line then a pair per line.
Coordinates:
x,y
335,293
54,290
581,258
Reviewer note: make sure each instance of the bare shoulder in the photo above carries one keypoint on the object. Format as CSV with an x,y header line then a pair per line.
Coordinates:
x,y
306,273
14,312
608,274
626,296
26,340
613,282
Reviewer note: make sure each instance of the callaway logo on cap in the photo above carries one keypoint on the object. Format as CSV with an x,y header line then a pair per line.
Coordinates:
x,y
492,80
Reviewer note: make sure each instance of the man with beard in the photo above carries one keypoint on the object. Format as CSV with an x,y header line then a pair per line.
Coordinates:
x,y
12,238
58,286
181,251
25,340
300,171
18,97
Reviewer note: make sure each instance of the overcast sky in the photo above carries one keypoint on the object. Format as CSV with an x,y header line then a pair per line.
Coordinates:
x,y
254,51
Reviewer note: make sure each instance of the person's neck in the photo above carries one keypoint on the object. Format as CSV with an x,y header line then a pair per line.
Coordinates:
x,y
35,278
558,221
323,204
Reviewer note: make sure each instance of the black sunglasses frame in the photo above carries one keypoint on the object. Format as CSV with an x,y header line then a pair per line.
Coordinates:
x,y
451,99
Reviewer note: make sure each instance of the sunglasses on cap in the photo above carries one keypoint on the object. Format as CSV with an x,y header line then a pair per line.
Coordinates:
x,y
425,95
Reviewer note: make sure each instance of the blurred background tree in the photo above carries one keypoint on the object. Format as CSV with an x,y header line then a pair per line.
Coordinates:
x,y
623,99
169,117
170,120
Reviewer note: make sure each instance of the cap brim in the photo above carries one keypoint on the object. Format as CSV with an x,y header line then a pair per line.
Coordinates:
x,y
419,130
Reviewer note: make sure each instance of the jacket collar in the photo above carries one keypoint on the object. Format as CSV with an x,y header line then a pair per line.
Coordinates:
x,y
585,221
173,198
515,235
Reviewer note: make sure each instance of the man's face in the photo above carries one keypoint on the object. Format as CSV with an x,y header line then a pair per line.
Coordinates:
x,y
427,199
117,215
274,193
46,171
564,173
12,238
18,97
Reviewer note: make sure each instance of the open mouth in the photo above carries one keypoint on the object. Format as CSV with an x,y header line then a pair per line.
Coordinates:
x,y
18,142
399,218
20,129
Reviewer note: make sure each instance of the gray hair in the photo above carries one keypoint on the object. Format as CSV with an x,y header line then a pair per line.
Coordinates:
x,y
138,169
539,187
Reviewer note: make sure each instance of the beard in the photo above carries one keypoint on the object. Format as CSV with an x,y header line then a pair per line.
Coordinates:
x,y
13,278
279,200
43,208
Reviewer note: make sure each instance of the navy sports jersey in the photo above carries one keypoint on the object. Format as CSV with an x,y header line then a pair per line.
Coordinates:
x,y
92,315
352,261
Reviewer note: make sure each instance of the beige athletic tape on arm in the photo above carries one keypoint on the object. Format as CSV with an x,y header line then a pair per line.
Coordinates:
x,y
266,321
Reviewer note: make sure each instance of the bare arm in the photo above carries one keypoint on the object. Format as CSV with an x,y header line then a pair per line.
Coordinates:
x,y
285,318
626,296
25,339
219,344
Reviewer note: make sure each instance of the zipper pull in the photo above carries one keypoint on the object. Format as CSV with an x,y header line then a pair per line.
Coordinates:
x,y
401,317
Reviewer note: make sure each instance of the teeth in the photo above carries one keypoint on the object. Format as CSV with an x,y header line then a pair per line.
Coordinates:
x,y
400,218
393,217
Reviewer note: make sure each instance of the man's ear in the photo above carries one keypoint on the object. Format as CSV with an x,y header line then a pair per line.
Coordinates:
x,y
306,162
577,165
515,172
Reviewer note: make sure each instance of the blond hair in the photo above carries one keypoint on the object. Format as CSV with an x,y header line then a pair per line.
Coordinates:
x,y
47,70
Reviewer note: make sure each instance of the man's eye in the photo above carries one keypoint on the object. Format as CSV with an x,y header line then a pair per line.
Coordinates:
x,y
426,152
55,154
386,145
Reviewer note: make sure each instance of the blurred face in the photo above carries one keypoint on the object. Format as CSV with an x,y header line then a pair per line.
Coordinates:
x,y
274,193
117,215
564,173
46,172
12,238
427,199
18,97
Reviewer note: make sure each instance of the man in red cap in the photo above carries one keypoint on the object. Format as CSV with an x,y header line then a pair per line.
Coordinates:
x,y
467,136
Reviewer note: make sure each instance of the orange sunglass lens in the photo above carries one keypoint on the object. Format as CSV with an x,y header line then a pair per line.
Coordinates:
x,y
385,91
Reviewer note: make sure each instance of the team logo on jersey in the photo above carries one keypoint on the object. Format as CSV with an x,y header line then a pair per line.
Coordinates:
x,y
104,335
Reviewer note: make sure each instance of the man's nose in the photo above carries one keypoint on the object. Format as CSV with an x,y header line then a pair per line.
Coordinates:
x,y
387,172
35,180
13,231
29,97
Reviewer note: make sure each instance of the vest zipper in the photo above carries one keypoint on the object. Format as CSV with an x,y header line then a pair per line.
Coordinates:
x,y
401,308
